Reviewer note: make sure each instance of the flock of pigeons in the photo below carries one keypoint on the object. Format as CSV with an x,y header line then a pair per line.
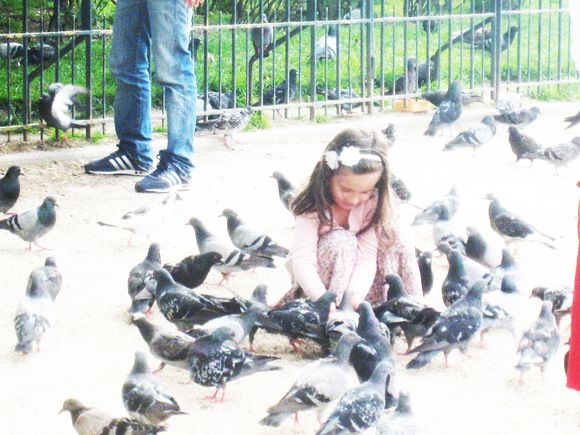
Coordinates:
x,y
483,290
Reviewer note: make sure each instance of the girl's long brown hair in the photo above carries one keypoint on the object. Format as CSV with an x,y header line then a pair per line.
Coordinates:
x,y
316,196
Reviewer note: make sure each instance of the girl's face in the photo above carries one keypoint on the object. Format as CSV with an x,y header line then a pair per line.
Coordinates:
x,y
349,189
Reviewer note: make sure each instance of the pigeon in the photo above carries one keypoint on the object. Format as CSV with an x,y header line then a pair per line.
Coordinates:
x,y
523,146
353,14
485,249
286,190
145,398
430,214
228,123
196,46
93,421
560,297
142,296
169,346
219,100
31,225
512,227
473,270
360,407
216,359
49,275
233,258
389,133
401,421
145,220
343,94
406,83
483,39
446,228
41,53
9,188
424,261
456,283
12,51
448,111
573,120
474,137
300,318
376,346
277,95
249,240
193,270
521,118
181,305
507,277
33,316
342,320
402,311
319,383
399,188
539,343
326,47
557,155
55,105
428,71
437,97
454,328
509,102
262,38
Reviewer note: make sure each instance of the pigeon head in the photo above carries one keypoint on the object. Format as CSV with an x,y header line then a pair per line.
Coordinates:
x,y
293,77
367,319
49,203
404,405
36,286
538,292
163,278
345,345
396,286
201,232
13,172
264,18
260,293
512,32
332,30
454,92
145,327
140,365
535,110
576,141
507,259
488,120
491,196
73,406
411,64
444,247
323,304
283,182
222,334
455,259
50,262
229,213
53,88
153,254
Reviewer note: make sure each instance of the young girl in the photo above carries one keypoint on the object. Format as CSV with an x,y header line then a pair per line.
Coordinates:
x,y
343,238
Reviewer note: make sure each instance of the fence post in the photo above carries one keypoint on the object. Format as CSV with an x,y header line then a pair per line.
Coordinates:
x,y
87,25
311,16
370,60
496,50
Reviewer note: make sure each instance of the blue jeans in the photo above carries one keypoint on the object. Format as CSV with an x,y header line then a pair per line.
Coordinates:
x,y
161,27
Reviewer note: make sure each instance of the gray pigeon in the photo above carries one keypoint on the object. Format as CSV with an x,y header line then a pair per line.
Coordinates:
x,y
361,407
573,120
343,94
249,240
558,155
342,320
216,359
9,188
389,133
145,398
475,136
93,421
473,270
521,118
326,47
448,111
262,38
12,51
234,259
169,346
400,422
49,275
482,248
54,106
228,124
407,82
33,316
456,283
540,342
454,328
286,190
430,214
523,146
142,296
318,384
512,227
31,225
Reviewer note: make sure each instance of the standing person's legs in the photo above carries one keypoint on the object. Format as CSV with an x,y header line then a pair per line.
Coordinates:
x,y
174,70
130,67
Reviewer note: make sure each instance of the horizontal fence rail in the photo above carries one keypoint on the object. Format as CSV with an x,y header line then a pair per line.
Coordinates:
x,y
293,58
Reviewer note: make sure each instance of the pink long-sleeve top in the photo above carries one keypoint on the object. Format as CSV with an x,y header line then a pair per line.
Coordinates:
x,y
304,259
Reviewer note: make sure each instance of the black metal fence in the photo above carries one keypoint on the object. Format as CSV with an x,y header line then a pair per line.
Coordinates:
x,y
299,57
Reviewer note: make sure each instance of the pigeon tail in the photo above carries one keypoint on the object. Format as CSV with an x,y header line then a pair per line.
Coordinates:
x,y
275,419
24,347
422,359
258,363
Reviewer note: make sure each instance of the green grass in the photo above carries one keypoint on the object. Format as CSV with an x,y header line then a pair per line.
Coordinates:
x,y
258,121
350,71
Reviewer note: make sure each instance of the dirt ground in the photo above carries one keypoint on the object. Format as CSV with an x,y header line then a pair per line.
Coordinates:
x,y
89,350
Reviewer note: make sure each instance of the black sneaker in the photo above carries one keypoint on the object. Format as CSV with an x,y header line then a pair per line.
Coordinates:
x,y
117,163
166,178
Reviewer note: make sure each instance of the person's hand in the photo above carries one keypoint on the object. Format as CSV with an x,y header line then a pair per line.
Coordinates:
x,y
356,300
193,3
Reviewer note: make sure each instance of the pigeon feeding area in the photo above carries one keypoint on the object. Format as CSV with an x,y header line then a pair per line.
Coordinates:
x,y
79,349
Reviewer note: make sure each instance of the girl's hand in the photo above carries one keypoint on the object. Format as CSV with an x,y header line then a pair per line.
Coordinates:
x,y
193,3
356,300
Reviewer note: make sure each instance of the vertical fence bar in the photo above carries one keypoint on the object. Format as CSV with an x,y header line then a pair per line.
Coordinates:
x,y
25,83
428,48
539,65
568,54
461,42
393,51
338,56
220,61
508,50
104,73
311,16
206,104
519,56
438,73
550,43
370,59
72,63
471,48
529,75
41,80
382,55
325,60
496,51
559,60
300,27
405,49
87,25
9,87
233,54
287,49
449,50
249,86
